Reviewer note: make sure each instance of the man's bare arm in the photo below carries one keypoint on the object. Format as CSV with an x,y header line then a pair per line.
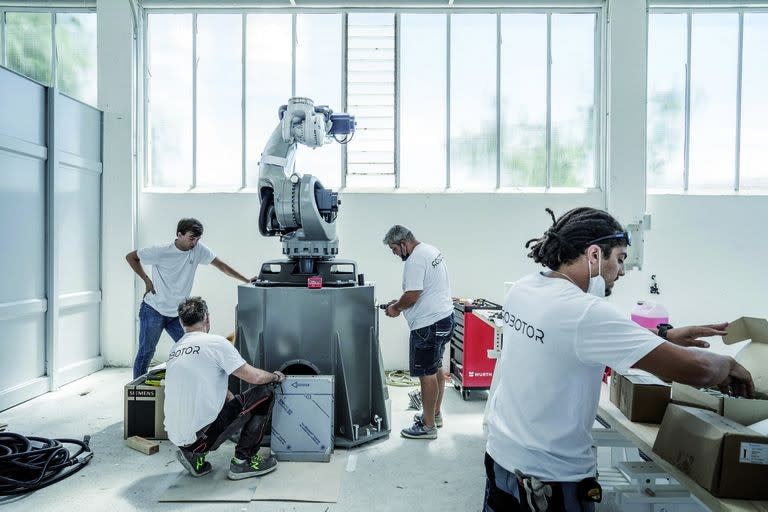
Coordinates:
x,y
135,263
405,301
229,270
254,375
698,368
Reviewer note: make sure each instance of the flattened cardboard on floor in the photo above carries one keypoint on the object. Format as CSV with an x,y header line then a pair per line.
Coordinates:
x,y
721,455
642,397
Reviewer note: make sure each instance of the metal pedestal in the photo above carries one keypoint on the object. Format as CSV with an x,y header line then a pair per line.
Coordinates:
x,y
326,331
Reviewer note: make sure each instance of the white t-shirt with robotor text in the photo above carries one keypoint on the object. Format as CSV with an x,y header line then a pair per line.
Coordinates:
x,y
173,272
425,270
196,377
557,342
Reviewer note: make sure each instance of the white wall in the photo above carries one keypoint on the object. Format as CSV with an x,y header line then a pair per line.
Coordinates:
x,y
707,253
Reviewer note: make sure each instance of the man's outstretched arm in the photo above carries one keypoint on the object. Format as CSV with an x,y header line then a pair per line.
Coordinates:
x,y
229,270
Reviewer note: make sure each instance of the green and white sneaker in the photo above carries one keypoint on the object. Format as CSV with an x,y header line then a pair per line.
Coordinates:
x,y
194,462
255,466
419,418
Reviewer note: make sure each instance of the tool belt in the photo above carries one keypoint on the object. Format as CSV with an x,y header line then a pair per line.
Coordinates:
x,y
539,496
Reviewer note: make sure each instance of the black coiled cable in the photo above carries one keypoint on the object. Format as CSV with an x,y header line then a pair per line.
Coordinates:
x,y
31,463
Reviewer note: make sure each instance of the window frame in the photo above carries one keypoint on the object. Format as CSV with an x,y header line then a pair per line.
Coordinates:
x,y
689,11
52,12
600,99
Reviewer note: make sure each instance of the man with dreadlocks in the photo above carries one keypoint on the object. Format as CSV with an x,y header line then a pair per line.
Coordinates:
x,y
559,335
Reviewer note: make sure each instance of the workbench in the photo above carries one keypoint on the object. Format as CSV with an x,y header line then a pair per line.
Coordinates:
x,y
643,435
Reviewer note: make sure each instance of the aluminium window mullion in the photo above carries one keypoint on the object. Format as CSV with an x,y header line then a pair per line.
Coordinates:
x,y
243,102
599,148
739,76
194,101
396,92
54,53
548,138
2,39
498,101
293,54
687,127
344,90
146,66
448,101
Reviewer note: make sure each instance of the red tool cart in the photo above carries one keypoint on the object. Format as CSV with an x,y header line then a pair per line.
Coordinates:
x,y
471,368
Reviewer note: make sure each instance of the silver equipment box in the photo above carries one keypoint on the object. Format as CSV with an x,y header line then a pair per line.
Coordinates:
x,y
302,419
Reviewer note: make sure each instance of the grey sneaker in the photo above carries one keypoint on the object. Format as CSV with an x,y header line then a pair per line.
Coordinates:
x,y
255,466
438,419
414,397
419,431
193,462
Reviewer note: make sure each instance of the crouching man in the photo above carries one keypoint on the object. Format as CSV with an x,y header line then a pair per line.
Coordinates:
x,y
200,412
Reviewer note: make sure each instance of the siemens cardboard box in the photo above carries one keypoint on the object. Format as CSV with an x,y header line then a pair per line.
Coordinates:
x,y
144,399
642,397
723,456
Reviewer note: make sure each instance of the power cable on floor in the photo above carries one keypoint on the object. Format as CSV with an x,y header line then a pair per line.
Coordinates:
x,y
400,378
31,463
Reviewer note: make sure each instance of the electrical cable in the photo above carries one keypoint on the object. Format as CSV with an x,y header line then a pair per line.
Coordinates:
x,y
31,463
400,378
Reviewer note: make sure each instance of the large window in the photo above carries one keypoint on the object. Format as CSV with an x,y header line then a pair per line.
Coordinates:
x,y
706,101
54,48
466,101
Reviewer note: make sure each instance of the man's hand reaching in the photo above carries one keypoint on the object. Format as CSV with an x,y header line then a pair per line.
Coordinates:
x,y
738,382
689,336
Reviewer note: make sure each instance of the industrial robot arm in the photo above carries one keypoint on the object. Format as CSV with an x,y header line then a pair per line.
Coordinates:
x,y
297,207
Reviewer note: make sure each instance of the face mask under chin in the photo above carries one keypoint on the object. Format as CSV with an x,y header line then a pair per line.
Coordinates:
x,y
403,255
596,284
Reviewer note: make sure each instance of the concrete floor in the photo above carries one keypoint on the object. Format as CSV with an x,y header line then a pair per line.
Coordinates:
x,y
443,475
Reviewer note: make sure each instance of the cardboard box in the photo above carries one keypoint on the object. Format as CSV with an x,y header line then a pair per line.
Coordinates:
x,y
642,397
302,418
753,357
742,410
614,390
143,408
724,457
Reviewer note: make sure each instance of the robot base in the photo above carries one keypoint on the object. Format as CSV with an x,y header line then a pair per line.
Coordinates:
x,y
289,272
326,331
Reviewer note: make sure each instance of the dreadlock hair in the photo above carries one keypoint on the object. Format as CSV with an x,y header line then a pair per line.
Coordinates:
x,y
570,235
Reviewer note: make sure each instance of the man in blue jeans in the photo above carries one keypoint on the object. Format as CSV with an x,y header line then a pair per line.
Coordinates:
x,y
173,272
427,306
